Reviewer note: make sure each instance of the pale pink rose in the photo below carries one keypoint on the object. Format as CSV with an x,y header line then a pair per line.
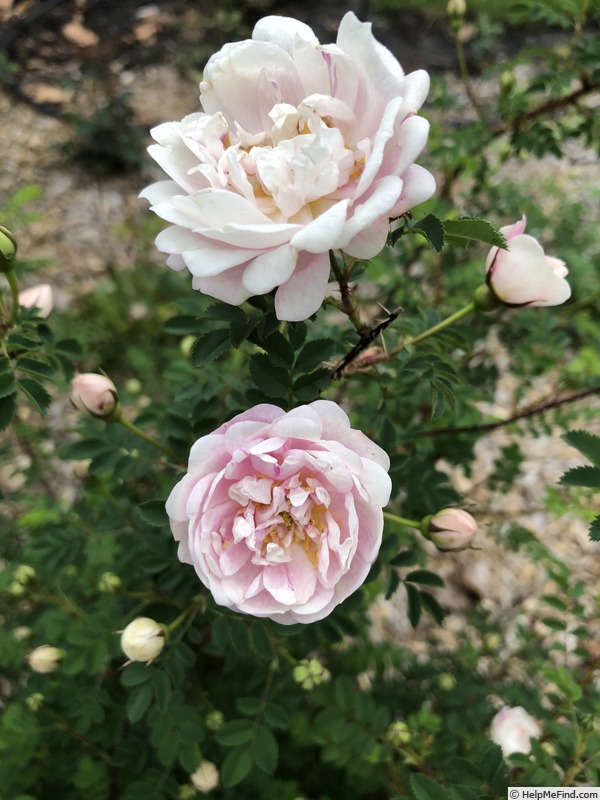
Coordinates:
x,y
94,393
524,275
452,529
281,513
301,148
40,297
512,729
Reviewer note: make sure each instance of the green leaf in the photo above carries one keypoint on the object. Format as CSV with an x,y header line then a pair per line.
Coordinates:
x,y
277,716
248,705
182,325
210,346
582,476
7,410
313,354
261,640
279,350
220,632
587,443
70,348
595,529
432,228
134,674
406,558
413,597
153,512
8,384
35,367
272,381
36,393
266,751
138,702
224,313
425,577
432,607
236,766
464,230
235,732
426,788
86,448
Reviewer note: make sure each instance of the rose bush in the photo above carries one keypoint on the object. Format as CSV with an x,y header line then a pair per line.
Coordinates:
x,y
301,148
524,275
281,513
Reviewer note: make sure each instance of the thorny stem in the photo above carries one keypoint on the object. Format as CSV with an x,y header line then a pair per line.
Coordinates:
x,y
492,426
348,305
147,438
369,335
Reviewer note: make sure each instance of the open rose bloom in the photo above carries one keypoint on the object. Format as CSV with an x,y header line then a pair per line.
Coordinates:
x,y
281,513
302,148
524,275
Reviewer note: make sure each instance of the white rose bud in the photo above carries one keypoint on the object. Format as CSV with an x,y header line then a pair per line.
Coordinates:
x,y
451,529
45,658
40,297
513,729
206,777
524,275
94,393
143,639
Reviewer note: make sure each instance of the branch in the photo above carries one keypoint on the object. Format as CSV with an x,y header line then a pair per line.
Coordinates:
x,y
492,426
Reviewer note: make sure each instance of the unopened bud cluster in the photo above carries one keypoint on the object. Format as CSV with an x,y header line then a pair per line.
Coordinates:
x,y
398,734
309,672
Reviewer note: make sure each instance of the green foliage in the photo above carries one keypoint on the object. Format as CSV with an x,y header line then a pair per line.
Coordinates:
x,y
588,476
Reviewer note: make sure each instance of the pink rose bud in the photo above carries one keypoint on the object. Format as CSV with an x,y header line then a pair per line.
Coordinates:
x,y
40,297
45,658
143,639
513,729
94,393
451,529
524,275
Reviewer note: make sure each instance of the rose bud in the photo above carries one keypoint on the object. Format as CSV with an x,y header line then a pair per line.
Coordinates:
x,y
143,639
206,777
40,297
513,729
8,250
45,658
451,529
94,393
524,275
